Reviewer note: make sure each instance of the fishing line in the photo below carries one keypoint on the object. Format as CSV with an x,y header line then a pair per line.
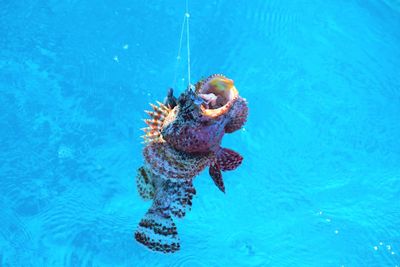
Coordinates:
x,y
185,24
187,15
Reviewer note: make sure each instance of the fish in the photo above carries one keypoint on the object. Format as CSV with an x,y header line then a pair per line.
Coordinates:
x,y
182,138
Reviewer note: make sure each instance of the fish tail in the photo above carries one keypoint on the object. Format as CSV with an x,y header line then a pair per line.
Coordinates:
x,y
158,232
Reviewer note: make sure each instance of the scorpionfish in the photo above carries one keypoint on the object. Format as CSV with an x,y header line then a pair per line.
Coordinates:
x,y
183,138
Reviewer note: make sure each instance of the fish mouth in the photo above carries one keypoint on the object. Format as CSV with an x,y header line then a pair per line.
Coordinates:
x,y
218,93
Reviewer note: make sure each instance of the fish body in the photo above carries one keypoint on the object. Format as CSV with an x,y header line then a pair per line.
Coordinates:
x,y
183,138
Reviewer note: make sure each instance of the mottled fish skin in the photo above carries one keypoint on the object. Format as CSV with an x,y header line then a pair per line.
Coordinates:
x,y
169,175
183,138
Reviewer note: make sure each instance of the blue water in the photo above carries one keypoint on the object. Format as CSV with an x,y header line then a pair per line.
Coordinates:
x,y
320,180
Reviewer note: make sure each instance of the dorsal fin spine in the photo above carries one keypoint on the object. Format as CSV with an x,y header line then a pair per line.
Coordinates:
x,y
155,122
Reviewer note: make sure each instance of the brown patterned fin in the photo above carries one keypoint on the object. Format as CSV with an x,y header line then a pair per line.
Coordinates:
x,y
216,175
228,159
173,198
144,183
158,232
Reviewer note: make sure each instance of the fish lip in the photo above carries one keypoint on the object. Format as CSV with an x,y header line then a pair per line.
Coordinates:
x,y
228,92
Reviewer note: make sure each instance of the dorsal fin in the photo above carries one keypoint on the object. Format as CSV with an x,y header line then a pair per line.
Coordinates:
x,y
155,123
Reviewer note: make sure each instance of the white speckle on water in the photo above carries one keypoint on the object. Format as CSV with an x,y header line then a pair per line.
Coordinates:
x,y
375,248
336,231
380,243
328,220
388,247
65,152
116,59
320,213
125,47
392,253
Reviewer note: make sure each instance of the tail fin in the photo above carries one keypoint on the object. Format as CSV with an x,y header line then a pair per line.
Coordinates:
x,y
158,232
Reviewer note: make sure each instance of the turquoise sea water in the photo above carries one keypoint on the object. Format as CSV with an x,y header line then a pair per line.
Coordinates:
x,y
320,180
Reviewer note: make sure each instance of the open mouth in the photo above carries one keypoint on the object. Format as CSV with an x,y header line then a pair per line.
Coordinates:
x,y
218,93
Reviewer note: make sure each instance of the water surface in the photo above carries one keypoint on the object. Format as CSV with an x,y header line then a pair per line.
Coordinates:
x,y
320,181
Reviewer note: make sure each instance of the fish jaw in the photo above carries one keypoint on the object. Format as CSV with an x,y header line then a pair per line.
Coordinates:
x,y
220,87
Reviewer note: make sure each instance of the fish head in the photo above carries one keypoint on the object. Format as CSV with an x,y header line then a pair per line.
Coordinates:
x,y
198,122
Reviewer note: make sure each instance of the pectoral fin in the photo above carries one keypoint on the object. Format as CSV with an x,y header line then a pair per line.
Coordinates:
x,y
216,175
228,159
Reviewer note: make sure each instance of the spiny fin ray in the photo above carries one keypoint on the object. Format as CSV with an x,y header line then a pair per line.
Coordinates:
x,y
155,122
